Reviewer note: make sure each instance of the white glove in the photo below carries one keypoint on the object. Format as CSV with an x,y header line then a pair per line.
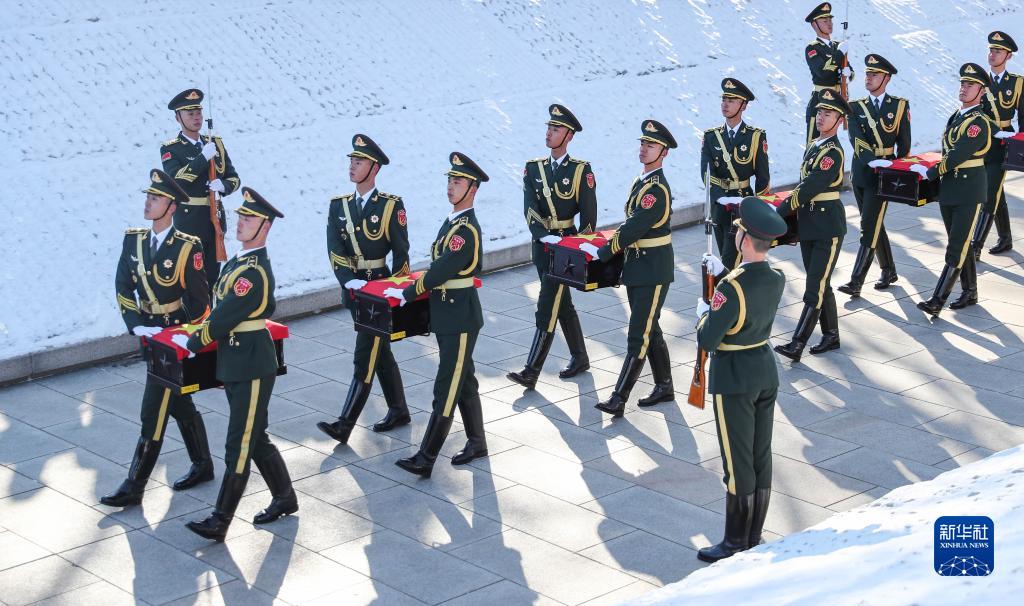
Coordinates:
x,y
209,150
715,265
550,239
217,186
395,293
590,249
145,331
182,342
848,72
730,200
920,169
880,163
702,307
356,284
842,47
1004,134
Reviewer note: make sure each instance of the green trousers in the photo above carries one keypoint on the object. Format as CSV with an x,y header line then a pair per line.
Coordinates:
x,y
959,221
820,258
644,311
872,216
725,233
455,383
996,197
159,403
247,437
373,356
744,424
554,302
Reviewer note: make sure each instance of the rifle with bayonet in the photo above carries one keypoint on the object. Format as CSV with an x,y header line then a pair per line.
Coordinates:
x,y
698,385
222,254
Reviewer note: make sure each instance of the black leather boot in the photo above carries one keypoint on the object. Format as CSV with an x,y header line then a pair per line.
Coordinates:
x,y
981,229
535,361
283,500
354,402
886,262
1005,241
947,279
829,319
422,463
476,441
661,368
738,519
579,361
860,270
968,285
130,491
193,434
616,404
390,380
804,327
215,526
761,498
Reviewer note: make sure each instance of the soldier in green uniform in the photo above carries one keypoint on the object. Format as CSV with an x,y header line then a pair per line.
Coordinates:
x,y
247,365
1002,100
879,132
963,187
743,377
822,222
362,228
455,318
187,159
160,282
645,238
555,190
824,58
736,153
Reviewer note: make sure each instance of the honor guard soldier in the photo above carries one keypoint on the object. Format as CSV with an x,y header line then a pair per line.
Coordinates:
x,y
555,190
247,365
822,222
963,187
879,132
744,379
1003,99
825,58
455,318
160,282
362,228
187,158
736,153
645,238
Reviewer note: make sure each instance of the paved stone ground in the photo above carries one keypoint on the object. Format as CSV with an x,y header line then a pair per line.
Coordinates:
x,y
569,508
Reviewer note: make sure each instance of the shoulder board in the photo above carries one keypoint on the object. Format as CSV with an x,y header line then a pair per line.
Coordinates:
x,y
171,141
732,275
863,99
1012,75
388,196
135,230
712,130
463,220
540,159
252,261
344,197
189,237
653,179
578,161
894,98
813,42
756,129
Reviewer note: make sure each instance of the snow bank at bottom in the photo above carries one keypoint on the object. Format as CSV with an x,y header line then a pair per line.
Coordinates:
x,y
880,553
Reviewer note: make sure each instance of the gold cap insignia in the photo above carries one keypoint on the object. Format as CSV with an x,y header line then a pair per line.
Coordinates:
x,y
969,70
555,111
650,128
247,196
192,95
827,95
729,84
155,177
826,7
997,36
456,160
872,60
359,141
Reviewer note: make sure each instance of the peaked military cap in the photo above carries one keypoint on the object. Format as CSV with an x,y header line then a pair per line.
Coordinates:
x,y
878,63
187,99
256,205
822,10
972,72
829,99
163,184
654,131
364,147
759,219
561,116
1002,40
462,166
731,87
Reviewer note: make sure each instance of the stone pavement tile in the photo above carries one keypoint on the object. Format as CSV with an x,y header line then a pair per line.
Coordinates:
x,y
79,381
279,567
296,378
316,325
786,514
1012,362
865,372
882,469
859,499
100,592
547,569
362,444
52,576
232,592
16,550
577,411
566,480
886,436
622,594
555,437
870,347
407,349
896,408
133,369
973,429
806,482
597,349
657,435
965,458
151,570
523,399
55,521
662,473
986,346
159,503
794,378
991,309
647,557
489,350
172,466
800,410
173,532
107,435
316,526
77,473
613,363
496,325
336,368
949,365
495,300
502,592
659,514
414,569
12,482
342,484
432,521
1008,408
40,406
368,592
905,310
300,350
125,399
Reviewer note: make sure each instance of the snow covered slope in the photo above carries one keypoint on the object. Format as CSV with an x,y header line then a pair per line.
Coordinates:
x,y
86,86
880,553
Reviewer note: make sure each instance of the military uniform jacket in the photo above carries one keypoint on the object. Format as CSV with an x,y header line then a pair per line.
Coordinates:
x,y
824,59
376,229
244,292
571,190
1001,103
736,329
965,142
646,235
454,255
149,286
877,135
183,161
820,213
734,164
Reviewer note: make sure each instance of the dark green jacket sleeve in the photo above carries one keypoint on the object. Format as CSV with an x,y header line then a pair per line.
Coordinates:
x,y
903,138
762,170
198,168
705,157
531,205
197,289
335,247
863,146
715,322
229,176
456,257
642,220
125,288
398,235
588,200
827,168
246,297
974,138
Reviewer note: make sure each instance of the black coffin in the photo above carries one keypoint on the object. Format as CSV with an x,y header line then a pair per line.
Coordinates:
x,y
376,316
905,187
569,266
190,375
1014,154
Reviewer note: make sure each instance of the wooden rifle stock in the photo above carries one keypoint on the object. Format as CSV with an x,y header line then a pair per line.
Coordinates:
x,y
698,385
222,254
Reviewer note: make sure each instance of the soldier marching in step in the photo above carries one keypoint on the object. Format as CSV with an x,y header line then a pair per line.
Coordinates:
x,y
825,58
